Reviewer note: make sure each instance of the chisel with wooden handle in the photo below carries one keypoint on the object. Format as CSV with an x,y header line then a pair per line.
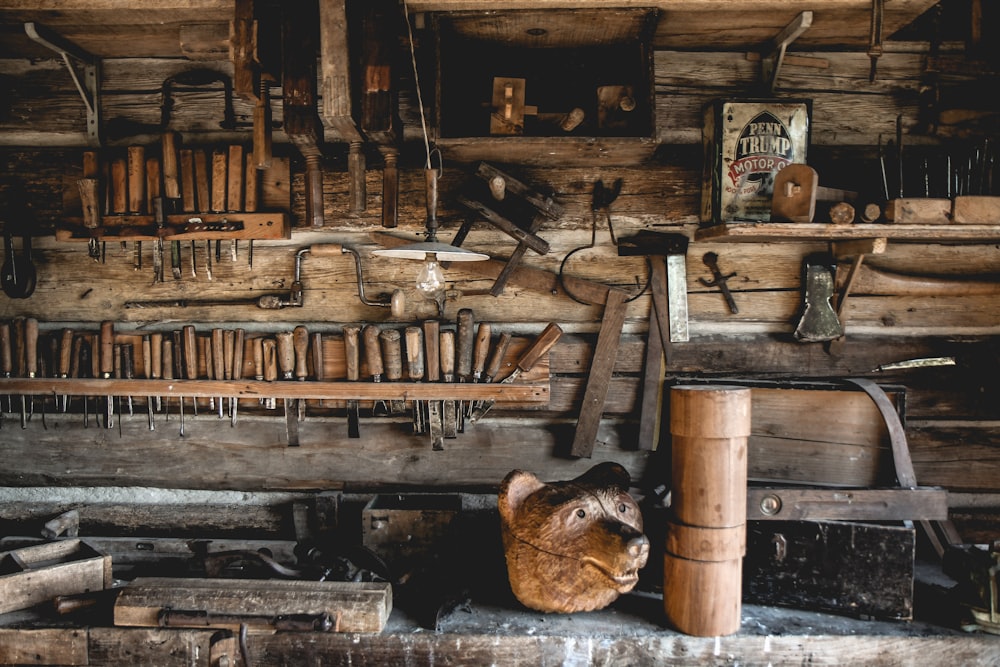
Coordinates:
x,y
239,337
171,193
392,361
219,361
529,358
116,373
352,362
147,373
493,367
373,357
270,360
464,347
190,350
300,343
446,353
156,364
319,371
432,364
128,372
167,372
30,357
479,353
286,363
106,357
414,338
65,362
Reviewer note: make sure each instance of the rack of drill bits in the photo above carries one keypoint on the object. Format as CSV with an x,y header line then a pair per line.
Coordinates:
x,y
110,375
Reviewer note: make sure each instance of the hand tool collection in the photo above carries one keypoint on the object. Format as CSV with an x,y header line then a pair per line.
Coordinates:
x,y
126,372
132,194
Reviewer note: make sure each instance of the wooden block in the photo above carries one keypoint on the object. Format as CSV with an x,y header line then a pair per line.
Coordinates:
x,y
856,569
220,160
234,194
37,574
918,211
969,210
361,607
188,188
202,179
507,117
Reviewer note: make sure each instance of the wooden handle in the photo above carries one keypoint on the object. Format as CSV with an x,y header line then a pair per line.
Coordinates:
x,y
119,185
219,164
352,352
205,356
270,360
155,355
228,353
167,367
261,131
136,158
431,184
446,350
300,341
482,348
106,349
6,355
251,186
373,355
540,347
116,361
154,188
31,347
326,250
168,145
392,354
464,341
499,352
90,202
202,178
74,360
190,351
258,358
432,343
239,337
414,352
286,354
128,361
189,184
65,352
234,188
318,362
218,354
17,340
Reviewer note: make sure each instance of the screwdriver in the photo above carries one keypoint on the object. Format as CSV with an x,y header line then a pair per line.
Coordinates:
x,y
528,359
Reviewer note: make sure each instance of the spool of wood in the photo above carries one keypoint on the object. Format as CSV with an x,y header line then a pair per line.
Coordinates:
x,y
707,536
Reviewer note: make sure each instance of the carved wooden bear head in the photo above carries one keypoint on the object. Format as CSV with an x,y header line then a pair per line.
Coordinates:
x,y
574,545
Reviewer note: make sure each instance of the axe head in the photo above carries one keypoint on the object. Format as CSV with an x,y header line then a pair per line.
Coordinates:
x,y
819,321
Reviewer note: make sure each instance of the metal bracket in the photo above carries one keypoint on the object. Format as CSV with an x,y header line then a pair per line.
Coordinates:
x,y
770,64
89,87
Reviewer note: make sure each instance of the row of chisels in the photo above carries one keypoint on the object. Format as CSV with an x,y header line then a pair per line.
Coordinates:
x,y
145,188
110,375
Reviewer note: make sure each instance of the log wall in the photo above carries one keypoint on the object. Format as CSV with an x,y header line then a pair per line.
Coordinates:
x,y
951,414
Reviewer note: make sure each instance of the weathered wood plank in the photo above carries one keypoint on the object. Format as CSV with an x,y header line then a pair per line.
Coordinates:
x,y
56,646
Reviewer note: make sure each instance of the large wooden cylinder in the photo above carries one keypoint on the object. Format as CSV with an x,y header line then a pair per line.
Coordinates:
x,y
706,537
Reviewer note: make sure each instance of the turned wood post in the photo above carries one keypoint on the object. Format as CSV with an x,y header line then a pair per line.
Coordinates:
x,y
706,535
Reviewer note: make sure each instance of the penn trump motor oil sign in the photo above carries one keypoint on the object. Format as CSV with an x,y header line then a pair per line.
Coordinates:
x,y
746,145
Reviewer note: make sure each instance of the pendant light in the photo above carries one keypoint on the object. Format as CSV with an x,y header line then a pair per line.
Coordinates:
x,y
430,281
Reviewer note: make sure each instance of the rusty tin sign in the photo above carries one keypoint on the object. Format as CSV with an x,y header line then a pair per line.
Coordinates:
x,y
747,142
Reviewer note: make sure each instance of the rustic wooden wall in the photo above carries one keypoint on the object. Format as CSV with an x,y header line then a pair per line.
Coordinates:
x,y
952,414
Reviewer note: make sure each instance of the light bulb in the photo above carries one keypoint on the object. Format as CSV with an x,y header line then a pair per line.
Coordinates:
x,y
430,280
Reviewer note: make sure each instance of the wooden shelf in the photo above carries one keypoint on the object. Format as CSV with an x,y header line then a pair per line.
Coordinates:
x,y
521,392
794,231
182,227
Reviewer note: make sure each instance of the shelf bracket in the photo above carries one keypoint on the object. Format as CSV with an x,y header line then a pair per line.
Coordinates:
x,y
90,85
771,63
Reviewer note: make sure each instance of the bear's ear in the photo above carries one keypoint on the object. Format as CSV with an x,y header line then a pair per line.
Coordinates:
x,y
514,488
606,475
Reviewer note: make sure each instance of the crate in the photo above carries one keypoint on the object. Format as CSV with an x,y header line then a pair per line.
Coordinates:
x,y
33,575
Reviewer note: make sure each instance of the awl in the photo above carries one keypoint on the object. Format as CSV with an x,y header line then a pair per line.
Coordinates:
x,y
528,359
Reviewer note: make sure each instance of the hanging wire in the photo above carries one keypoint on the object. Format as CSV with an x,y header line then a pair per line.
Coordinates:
x,y
416,83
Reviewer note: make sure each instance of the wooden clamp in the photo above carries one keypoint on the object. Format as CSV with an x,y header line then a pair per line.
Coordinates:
x,y
500,185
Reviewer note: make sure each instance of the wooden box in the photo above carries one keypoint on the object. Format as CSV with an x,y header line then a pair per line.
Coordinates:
x,y
37,574
403,528
579,85
856,569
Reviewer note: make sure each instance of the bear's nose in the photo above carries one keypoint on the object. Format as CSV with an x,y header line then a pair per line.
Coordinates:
x,y
637,546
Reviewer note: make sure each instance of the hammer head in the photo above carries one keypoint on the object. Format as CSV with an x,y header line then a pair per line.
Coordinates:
x,y
653,243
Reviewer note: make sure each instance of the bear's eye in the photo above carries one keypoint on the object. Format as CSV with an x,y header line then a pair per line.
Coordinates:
x,y
623,508
581,513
